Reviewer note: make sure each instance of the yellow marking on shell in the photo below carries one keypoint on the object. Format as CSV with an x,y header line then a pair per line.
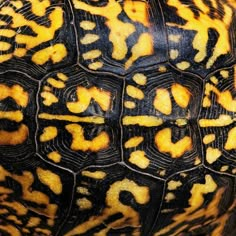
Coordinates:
x,y
79,143
50,222
183,65
114,206
162,173
4,46
33,221
197,161
162,101
47,88
92,54
174,53
16,116
194,211
230,142
134,142
143,47
162,69
14,219
14,137
169,197
173,185
95,65
134,92
16,206
4,190
16,92
17,4
48,134
181,95
165,145
2,23
140,78
83,190
89,38
55,53
222,121
139,159
129,104
224,168
10,229
84,204
54,156
224,74
87,25
20,52
214,80
49,98
174,38
234,171
84,95
212,154
39,7
56,83
148,121
206,102
43,231
181,122
62,76
74,119
9,33
209,138
50,179
94,174
111,11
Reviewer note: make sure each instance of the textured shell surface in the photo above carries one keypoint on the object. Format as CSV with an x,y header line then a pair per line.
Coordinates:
x,y
117,117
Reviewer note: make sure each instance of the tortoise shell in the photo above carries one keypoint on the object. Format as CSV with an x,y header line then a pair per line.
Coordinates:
x,y
117,117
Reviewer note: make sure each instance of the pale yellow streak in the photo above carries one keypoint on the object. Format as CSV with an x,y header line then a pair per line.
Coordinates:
x,y
231,140
162,101
222,121
148,121
16,116
139,159
134,142
212,154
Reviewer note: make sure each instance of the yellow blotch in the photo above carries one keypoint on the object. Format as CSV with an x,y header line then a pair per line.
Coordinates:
x,y
56,83
129,104
148,121
4,46
33,221
212,154
144,47
4,190
181,95
234,171
98,143
43,231
14,137
174,53
55,53
174,38
87,25
173,185
181,122
89,38
139,159
183,65
84,204
162,101
84,95
165,145
231,140
162,173
169,197
14,219
94,174
62,76
54,156
17,4
140,79
39,7
49,98
95,65
162,69
7,33
209,138
224,168
206,102
74,119
134,92
16,206
224,74
16,92
11,230
20,52
197,161
83,190
92,54
16,116
222,121
50,179
48,134
214,80
134,142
